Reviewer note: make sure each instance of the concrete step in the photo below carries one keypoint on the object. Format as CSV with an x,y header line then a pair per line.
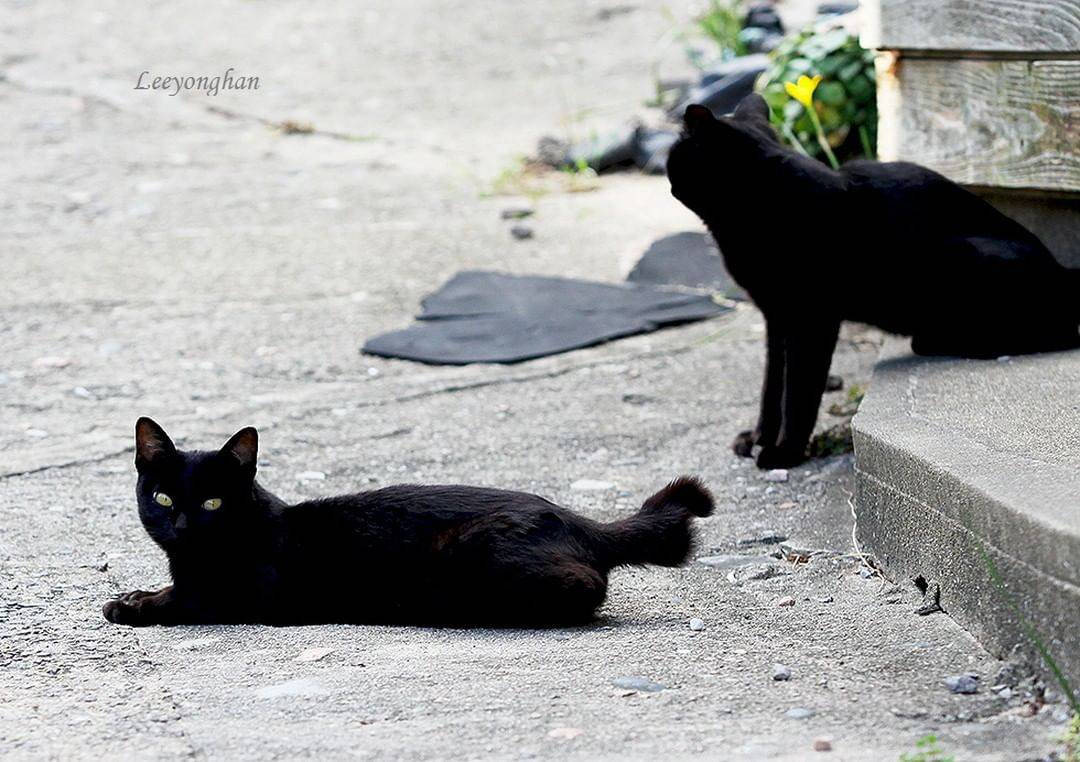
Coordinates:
x,y
955,458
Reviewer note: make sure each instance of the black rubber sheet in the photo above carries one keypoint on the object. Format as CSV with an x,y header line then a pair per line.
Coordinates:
x,y
493,317
686,259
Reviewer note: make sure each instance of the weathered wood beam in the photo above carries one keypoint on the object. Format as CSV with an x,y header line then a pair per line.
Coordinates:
x,y
1032,27
1009,124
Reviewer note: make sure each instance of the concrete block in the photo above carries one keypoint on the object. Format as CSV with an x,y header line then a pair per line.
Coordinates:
x,y
957,458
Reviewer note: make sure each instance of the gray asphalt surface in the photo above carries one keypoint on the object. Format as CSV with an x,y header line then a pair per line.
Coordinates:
x,y
176,257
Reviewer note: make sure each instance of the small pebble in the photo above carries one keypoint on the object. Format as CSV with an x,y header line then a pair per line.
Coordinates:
x,y
314,654
521,232
799,713
788,505
766,537
82,393
290,688
781,672
1005,693
776,475
697,625
637,683
52,362
786,601
516,213
590,485
967,683
822,744
565,734
755,572
310,476
823,598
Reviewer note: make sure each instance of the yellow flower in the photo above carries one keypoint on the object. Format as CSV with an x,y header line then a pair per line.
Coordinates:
x,y
803,90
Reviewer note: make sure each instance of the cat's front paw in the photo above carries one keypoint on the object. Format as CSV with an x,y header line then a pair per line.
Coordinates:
x,y
780,457
126,610
135,595
743,444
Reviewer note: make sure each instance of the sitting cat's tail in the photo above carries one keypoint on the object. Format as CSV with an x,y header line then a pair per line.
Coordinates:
x,y
660,533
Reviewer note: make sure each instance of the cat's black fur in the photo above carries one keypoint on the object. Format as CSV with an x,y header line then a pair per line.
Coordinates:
x,y
439,555
891,244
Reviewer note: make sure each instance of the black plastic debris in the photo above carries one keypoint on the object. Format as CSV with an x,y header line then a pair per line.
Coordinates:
x,y
764,16
687,259
762,28
498,318
632,146
651,149
724,84
837,8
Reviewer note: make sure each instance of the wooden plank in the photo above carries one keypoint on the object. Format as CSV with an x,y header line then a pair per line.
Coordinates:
x,y
1015,26
1008,124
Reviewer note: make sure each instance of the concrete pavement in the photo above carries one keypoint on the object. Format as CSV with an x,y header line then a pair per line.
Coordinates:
x,y
164,258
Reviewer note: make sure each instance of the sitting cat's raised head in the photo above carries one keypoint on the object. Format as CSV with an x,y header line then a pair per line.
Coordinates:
x,y
193,496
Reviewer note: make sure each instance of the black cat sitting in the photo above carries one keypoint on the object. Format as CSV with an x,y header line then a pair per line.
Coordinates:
x,y
441,555
891,244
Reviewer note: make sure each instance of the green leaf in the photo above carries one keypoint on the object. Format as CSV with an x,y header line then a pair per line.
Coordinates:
x,y
799,66
850,71
861,89
831,94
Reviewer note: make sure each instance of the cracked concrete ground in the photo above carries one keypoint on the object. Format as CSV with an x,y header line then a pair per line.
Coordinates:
x,y
162,257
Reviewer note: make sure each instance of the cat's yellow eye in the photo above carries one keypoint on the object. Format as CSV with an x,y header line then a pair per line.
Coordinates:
x,y
162,499
212,504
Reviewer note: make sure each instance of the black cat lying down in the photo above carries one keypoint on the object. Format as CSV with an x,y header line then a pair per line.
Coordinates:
x,y
891,244
440,555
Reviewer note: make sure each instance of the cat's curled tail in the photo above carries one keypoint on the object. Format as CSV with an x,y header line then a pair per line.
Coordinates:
x,y
660,532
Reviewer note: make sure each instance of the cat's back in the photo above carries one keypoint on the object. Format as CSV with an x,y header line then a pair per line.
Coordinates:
x,y
909,202
409,525
416,509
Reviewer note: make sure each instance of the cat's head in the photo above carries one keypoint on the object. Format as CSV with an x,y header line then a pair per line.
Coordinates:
x,y
193,497
714,153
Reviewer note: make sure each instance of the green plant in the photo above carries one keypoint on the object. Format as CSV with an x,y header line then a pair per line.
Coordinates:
x,y
1029,628
721,23
926,750
844,100
1071,739
532,180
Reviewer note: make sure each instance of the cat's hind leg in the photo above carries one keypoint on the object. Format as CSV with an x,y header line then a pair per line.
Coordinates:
x,y
557,591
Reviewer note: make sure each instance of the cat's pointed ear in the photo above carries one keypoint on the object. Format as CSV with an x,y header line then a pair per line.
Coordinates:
x,y
151,443
697,117
753,107
243,447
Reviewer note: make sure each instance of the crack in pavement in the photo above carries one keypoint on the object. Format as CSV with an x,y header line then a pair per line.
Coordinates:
x,y
59,90
272,400
289,126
